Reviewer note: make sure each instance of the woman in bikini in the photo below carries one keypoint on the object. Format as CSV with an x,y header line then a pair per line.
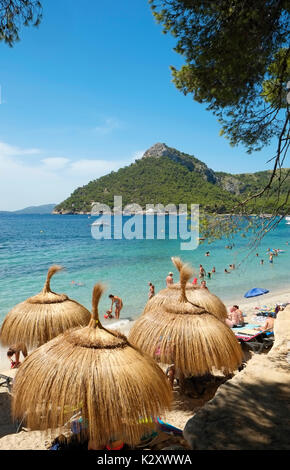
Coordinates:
x,y
118,305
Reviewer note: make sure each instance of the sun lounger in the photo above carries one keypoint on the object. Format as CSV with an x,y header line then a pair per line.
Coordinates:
x,y
6,382
6,379
166,427
256,341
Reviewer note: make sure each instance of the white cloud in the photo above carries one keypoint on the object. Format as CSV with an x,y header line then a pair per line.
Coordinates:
x,y
109,125
49,179
6,149
95,167
55,163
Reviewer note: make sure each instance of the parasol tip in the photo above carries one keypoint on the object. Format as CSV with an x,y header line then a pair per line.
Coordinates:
x,y
185,274
177,262
98,290
52,270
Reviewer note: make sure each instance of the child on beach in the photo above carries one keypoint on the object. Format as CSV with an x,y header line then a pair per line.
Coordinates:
x,y
16,349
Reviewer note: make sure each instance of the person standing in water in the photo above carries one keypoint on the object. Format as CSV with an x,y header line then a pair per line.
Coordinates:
x,y
118,305
151,292
203,285
169,279
201,271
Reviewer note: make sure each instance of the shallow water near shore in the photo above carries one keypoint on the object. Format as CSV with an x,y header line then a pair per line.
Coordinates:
x,y
29,244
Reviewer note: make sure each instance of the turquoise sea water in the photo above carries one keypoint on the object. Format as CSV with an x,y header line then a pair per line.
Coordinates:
x,y
29,244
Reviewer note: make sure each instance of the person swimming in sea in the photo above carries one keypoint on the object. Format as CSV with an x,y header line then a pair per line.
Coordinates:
x,y
203,285
78,284
169,279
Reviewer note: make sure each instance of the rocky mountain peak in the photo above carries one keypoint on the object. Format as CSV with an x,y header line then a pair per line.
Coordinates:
x,y
191,163
160,150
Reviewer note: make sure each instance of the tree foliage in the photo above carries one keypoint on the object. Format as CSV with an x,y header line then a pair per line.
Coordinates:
x,y
17,13
237,61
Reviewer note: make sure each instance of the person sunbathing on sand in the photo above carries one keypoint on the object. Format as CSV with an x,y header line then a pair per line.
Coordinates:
x,y
16,349
201,271
269,324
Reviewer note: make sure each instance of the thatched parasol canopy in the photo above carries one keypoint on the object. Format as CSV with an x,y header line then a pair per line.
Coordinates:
x,y
95,371
184,325
42,317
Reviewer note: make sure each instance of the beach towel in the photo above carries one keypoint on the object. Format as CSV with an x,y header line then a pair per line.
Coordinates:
x,y
166,427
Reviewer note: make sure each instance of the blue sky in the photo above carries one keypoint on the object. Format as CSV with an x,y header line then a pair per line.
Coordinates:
x,y
88,92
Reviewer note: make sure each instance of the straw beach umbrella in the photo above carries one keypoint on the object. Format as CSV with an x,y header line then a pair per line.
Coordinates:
x,y
42,317
94,371
185,325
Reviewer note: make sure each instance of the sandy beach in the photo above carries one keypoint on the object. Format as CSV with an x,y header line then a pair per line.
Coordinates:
x,y
182,410
248,307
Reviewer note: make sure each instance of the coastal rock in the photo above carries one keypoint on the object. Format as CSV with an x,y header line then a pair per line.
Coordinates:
x,y
250,411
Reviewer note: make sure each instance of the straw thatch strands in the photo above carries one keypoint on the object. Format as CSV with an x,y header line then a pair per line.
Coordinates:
x,y
42,317
185,325
97,372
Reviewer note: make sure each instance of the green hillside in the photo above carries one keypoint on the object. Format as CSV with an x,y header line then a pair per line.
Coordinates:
x,y
150,181
167,176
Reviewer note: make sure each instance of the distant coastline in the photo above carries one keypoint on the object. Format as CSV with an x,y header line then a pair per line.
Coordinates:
x,y
42,209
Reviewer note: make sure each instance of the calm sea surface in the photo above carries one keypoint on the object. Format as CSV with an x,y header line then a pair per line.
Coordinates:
x,y
29,244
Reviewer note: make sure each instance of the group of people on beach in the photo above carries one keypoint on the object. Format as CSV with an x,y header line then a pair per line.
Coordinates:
x,y
169,281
